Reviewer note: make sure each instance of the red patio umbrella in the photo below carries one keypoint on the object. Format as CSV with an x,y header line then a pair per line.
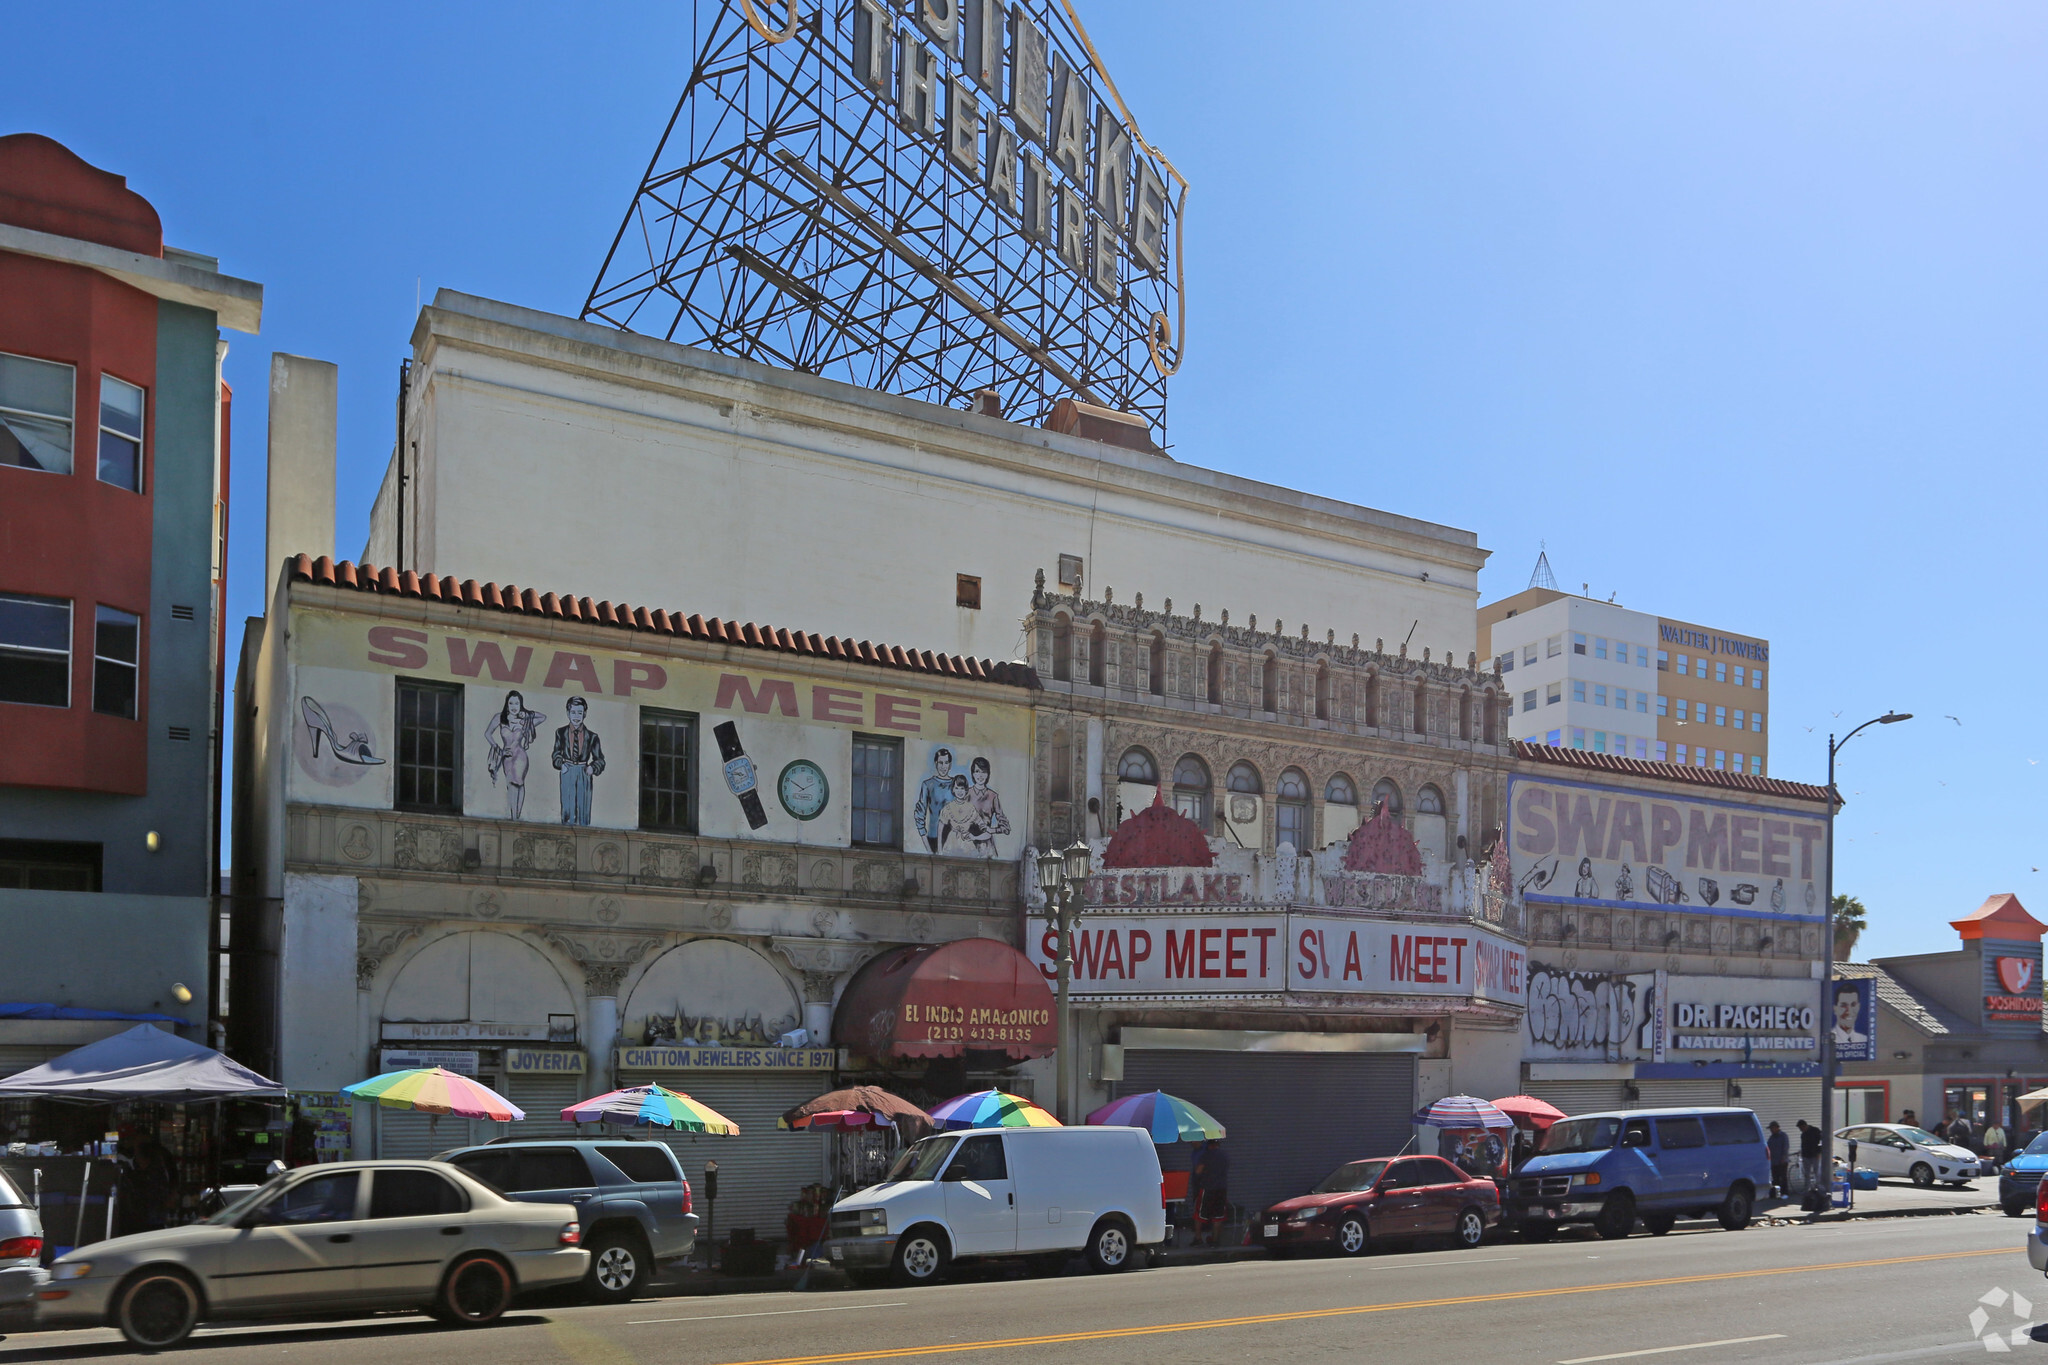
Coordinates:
x,y
1528,1111
858,1106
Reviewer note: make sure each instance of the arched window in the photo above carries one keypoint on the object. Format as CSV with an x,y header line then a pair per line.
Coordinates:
x,y
1492,714
1322,691
1191,790
1098,655
1269,685
1291,825
1421,709
1137,766
1429,801
1465,714
1340,791
1062,649
1372,699
1243,778
1158,665
1216,675
1385,790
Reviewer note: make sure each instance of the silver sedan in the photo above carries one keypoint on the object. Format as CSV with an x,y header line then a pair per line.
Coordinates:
x,y
351,1236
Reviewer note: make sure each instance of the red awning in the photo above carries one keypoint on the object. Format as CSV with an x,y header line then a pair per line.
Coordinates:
x,y
945,999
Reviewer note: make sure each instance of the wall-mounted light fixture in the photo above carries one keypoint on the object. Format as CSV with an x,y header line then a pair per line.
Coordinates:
x,y
152,841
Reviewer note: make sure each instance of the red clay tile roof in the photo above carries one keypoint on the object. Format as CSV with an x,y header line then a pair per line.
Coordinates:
x,y
1669,772
526,602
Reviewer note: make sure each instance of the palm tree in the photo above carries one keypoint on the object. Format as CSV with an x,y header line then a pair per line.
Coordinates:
x,y
1849,926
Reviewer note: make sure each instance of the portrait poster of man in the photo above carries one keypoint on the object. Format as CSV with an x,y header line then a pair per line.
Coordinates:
x,y
1851,1018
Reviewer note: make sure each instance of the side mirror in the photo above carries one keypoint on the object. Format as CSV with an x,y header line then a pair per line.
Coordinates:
x,y
1636,1137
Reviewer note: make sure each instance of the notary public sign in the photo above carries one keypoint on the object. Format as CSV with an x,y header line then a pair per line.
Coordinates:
x,y
1255,950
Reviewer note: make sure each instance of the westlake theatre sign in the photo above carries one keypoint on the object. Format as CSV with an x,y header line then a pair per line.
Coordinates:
x,y
932,198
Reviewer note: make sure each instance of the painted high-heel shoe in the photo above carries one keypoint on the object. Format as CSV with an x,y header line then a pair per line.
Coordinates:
x,y
355,750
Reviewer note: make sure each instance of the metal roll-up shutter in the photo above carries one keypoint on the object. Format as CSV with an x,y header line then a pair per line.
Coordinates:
x,y
1660,1093
1580,1097
543,1095
1361,1105
16,1058
409,1134
1786,1099
761,1169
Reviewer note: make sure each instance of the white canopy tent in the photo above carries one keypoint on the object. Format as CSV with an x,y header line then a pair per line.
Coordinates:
x,y
145,1063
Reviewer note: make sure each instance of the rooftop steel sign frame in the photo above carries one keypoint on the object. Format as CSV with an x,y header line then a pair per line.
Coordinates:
x,y
929,198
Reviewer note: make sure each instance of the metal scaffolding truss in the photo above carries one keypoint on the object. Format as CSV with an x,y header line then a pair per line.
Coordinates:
x,y
789,217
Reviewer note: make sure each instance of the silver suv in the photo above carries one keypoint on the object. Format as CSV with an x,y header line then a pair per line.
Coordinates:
x,y
632,1198
22,1275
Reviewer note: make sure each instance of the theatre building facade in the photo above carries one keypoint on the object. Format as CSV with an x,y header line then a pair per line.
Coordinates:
x,y
1247,941
565,846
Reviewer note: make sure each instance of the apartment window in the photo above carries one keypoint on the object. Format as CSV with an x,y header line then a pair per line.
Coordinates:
x,y
1290,810
1663,661
1578,643
1738,763
1554,694
1738,675
1756,677
1681,756
120,433
1643,702
1663,705
668,756
1642,656
1756,721
877,791
967,591
1720,670
1504,663
1599,741
1599,694
1555,739
1578,739
1578,690
35,414
1699,712
1738,719
1621,697
43,865
35,650
430,747
1529,700
1683,662
1720,760
1528,654
1641,747
1756,765
1720,715
116,662
1599,646
1659,751
1191,790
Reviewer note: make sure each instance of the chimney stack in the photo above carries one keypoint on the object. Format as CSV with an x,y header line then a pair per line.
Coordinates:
x,y
302,440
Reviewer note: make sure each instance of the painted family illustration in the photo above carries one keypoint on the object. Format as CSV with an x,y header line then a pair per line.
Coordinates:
x,y
958,813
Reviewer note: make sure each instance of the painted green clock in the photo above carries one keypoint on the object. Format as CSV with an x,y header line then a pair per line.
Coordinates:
x,y
803,790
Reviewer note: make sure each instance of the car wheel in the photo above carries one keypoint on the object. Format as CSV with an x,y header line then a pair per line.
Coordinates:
x,y
1659,1223
1922,1174
476,1293
157,1309
618,1266
1617,1217
1735,1208
1109,1247
1538,1232
2014,1208
1471,1230
1353,1237
921,1257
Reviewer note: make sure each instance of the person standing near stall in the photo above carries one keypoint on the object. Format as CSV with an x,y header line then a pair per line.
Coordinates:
x,y
1209,1191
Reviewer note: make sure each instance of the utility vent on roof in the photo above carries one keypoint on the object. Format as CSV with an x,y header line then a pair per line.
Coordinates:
x,y
182,732
181,613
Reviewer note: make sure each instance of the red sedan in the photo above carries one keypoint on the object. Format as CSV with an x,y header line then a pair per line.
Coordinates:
x,y
1387,1198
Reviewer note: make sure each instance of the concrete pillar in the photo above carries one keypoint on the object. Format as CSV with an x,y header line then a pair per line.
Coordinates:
x,y
301,461
604,1036
818,1022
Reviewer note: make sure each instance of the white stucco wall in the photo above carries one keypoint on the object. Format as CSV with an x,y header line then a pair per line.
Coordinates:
x,y
574,458
317,1044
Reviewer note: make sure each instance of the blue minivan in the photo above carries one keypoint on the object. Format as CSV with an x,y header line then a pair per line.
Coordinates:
x,y
1654,1164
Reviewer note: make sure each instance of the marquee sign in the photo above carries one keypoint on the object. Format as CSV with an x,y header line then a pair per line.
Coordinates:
x,y
930,198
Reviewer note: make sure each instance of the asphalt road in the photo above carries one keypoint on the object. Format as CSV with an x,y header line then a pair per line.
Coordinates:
x,y
1868,1292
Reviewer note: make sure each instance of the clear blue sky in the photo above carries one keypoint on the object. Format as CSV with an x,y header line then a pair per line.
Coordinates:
x,y
1739,307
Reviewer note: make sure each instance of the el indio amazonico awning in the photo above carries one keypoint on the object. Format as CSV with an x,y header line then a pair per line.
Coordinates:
x,y
942,1000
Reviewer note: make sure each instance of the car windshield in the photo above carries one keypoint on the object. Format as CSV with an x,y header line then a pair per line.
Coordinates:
x,y
921,1162
1919,1137
1580,1135
233,1212
2038,1146
1351,1176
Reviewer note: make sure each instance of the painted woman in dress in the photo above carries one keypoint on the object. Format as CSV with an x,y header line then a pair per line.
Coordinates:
x,y
510,734
990,808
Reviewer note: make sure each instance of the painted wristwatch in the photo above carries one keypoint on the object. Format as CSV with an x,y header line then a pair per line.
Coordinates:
x,y
740,778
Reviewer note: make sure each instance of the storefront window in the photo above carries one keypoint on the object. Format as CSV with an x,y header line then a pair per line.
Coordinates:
x,y
1968,1100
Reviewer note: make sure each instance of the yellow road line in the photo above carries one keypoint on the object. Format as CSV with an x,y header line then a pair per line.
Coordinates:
x,y
1304,1315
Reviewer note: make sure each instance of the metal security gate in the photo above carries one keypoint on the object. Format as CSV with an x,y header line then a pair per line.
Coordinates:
x,y
1292,1117
543,1095
761,1169
406,1133
1786,1099
1675,1094
1580,1097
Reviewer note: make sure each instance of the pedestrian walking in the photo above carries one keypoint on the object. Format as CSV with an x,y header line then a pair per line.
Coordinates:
x,y
1910,1119
1940,1128
1994,1141
1780,1148
1809,1158
1960,1133
1209,1191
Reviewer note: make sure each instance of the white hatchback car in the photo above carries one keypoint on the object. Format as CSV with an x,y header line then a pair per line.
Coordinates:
x,y
352,1235
1900,1149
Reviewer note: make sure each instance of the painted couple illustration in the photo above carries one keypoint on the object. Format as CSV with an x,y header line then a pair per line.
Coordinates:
x,y
578,755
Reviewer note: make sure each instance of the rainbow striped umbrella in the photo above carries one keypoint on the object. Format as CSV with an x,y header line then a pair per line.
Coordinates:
x,y
991,1109
655,1104
432,1090
1165,1117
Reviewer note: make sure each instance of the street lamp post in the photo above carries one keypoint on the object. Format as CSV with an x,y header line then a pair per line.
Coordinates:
x,y
1827,1039
1061,876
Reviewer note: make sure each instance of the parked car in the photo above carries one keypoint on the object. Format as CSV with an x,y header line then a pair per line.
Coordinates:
x,y
1003,1193
2019,1180
631,1196
1656,1164
1385,1198
2037,1235
22,1276
353,1236
1901,1149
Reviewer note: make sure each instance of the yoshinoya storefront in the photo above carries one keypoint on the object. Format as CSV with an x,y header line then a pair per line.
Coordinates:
x,y
1264,989
1677,934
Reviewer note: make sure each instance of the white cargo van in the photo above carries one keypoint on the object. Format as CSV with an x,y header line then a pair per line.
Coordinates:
x,y
1004,1192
